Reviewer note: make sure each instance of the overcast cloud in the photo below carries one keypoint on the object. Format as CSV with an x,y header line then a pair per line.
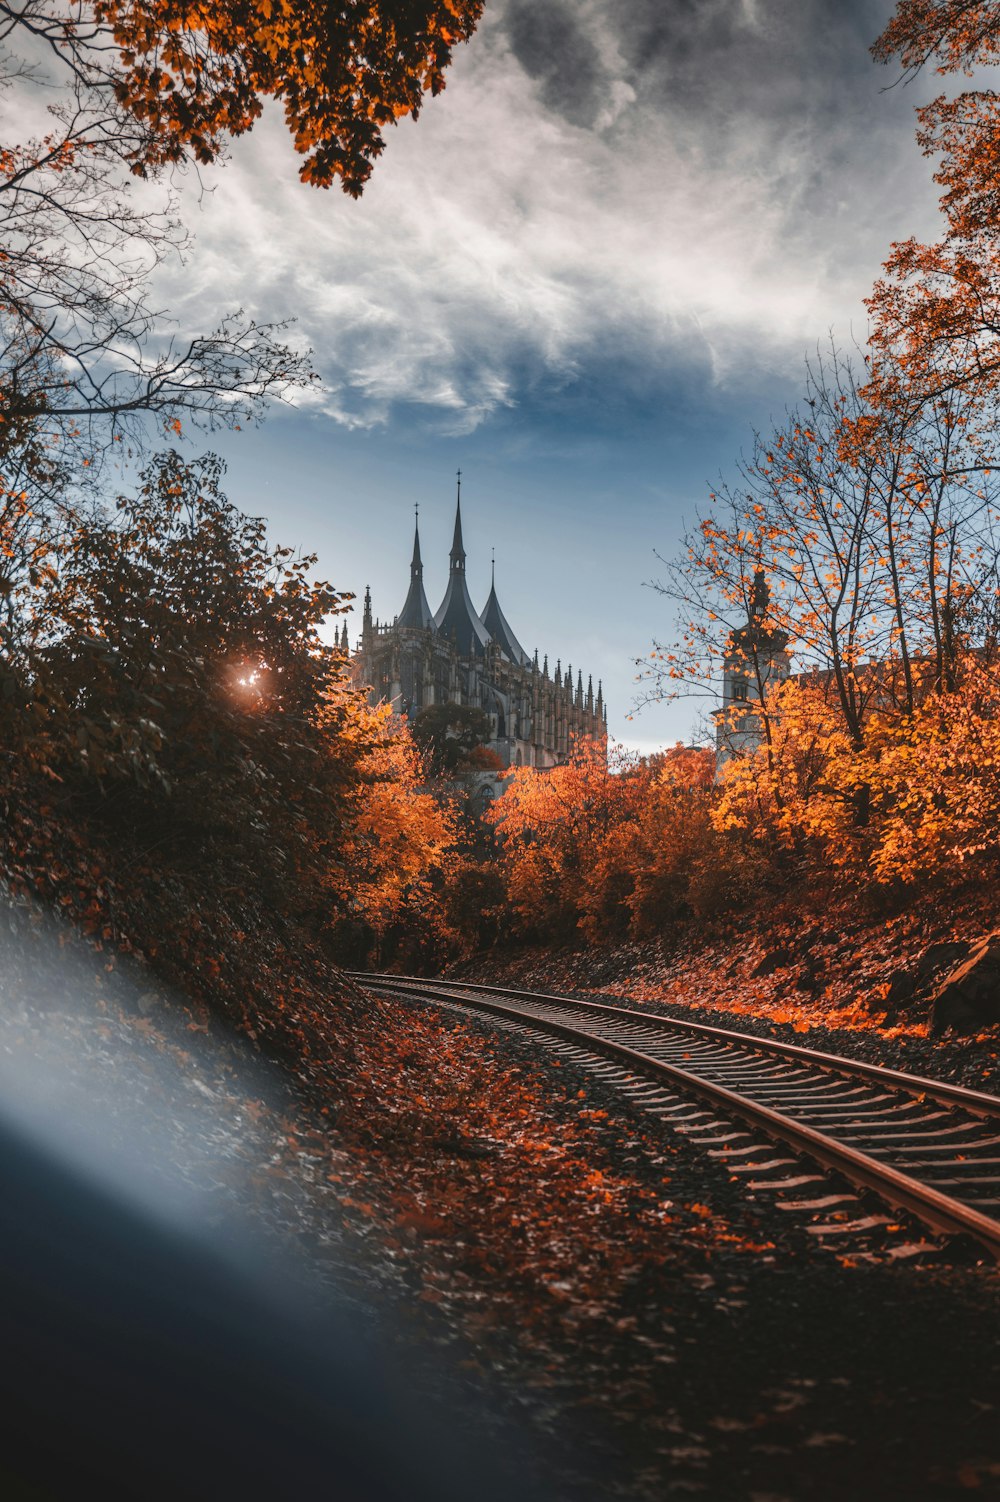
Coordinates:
x,y
699,187
595,262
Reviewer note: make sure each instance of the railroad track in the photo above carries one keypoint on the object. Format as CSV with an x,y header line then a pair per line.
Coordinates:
x,y
924,1147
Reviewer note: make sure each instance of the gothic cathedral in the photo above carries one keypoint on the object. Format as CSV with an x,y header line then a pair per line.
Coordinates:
x,y
458,655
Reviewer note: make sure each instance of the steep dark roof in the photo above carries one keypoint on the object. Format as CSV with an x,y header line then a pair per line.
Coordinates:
x,y
456,619
416,613
498,627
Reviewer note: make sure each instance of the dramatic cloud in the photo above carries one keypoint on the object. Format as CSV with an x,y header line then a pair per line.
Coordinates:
x,y
697,188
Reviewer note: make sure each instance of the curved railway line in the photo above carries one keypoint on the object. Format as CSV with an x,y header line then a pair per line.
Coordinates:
x,y
925,1147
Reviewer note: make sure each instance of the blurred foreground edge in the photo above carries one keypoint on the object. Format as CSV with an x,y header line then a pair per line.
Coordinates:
x,y
137,1363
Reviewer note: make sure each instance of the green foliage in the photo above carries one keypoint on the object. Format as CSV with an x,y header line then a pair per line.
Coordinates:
x,y
186,757
449,735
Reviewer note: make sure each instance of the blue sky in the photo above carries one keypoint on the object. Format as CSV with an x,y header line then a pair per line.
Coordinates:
x,y
594,264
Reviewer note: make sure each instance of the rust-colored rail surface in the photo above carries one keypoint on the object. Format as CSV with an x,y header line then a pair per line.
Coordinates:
x,y
926,1147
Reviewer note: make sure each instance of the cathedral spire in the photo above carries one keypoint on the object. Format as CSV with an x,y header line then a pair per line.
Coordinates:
x,y
498,627
456,619
457,554
416,613
416,563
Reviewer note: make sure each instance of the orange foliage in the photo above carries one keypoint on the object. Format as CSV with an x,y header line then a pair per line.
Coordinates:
x,y
390,864
936,310
185,767
919,802
196,74
593,849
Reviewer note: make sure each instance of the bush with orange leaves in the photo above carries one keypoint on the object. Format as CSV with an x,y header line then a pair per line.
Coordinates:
x,y
389,878
607,849
919,802
681,863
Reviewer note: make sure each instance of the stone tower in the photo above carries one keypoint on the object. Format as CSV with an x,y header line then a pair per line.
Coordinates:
x,y
757,659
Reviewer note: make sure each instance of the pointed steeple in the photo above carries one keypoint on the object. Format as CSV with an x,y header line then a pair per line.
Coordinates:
x,y
456,619
579,690
545,666
558,678
416,563
590,691
416,613
366,621
457,554
498,626
600,696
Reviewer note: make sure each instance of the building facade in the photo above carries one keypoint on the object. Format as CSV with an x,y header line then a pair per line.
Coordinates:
x,y
458,655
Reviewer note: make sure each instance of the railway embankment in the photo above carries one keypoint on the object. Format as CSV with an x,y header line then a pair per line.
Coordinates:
x,y
917,990
589,1286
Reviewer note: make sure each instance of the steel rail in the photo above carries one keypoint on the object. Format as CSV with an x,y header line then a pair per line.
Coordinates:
x,y
900,1190
977,1101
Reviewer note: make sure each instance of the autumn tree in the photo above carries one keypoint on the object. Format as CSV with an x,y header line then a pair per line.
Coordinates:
x,y
139,87
448,735
930,784
679,864
180,689
390,874
193,76
873,530
936,310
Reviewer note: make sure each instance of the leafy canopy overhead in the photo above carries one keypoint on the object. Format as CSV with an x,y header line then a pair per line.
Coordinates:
x,y
195,73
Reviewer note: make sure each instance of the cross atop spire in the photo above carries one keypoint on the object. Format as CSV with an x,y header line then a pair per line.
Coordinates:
x,y
416,563
457,554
